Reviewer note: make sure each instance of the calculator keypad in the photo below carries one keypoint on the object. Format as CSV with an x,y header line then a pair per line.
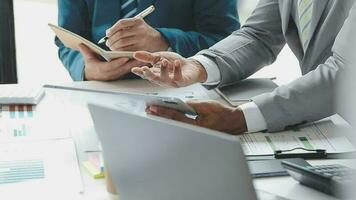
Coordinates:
x,y
336,172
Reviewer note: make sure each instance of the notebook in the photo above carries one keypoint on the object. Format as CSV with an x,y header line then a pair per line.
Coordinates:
x,y
20,94
72,40
243,91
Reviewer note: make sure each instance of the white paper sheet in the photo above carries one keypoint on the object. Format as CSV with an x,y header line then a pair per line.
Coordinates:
x,y
41,122
56,158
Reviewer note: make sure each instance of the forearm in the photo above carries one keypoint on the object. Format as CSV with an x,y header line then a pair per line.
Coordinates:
x,y
73,61
254,46
73,15
307,99
310,98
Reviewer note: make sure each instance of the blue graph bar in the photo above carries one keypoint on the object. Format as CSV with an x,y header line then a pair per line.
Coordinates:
x,y
19,171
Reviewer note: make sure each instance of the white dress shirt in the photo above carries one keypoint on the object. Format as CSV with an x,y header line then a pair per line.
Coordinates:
x,y
254,119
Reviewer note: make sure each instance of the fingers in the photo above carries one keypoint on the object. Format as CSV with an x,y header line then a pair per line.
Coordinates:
x,y
162,73
115,64
86,52
118,71
203,107
165,71
146,57
145,73
121,34
177,70
138,71
133,48
123,69
123,24
169,114
122,43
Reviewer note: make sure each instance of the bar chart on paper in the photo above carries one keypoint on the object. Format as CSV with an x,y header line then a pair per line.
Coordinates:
x,y
16,112
29,122
314,136
21,170
15,121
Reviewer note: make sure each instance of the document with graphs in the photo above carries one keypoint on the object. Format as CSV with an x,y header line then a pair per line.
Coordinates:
x,y
319,135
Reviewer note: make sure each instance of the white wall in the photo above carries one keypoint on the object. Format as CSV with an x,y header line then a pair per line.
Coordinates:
x,y
37,59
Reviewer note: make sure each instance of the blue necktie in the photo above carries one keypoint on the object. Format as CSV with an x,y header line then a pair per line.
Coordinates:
x,y
128,8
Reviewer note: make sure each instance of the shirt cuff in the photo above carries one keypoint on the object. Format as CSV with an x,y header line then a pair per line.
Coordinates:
x,y
211,68
254,119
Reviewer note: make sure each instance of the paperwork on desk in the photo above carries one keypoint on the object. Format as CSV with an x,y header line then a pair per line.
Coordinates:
x,y
320,135
29,122
39,169
20,94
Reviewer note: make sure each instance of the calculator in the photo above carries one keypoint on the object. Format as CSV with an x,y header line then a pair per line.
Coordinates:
x,y
336,180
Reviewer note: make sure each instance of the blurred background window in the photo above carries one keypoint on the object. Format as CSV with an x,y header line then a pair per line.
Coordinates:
x,y
8,72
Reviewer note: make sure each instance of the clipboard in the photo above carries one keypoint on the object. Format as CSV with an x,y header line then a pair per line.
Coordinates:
x,y
243,91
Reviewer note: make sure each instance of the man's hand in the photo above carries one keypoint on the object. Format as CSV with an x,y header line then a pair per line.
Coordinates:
x,y
169,69
211,114
98,70
135,34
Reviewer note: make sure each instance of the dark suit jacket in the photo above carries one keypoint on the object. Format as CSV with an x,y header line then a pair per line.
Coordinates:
x,y
188,25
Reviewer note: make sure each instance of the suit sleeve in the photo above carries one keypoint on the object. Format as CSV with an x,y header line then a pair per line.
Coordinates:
x,y
254,46
73,15
214,20
310,98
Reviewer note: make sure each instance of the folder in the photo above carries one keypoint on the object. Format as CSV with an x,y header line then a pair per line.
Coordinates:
x,y
243,91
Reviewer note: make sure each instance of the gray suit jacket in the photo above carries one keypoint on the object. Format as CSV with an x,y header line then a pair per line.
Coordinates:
x,y
260,40
345,51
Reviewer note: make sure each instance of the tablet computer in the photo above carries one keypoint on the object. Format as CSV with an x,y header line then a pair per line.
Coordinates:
x,y
163,101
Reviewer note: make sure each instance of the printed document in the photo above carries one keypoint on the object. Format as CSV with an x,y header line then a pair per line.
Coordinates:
x,y
319,135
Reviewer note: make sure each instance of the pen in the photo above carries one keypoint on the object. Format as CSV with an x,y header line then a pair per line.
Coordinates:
x,y
142,14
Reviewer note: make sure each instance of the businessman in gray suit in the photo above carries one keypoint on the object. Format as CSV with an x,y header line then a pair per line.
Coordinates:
x,y
309,27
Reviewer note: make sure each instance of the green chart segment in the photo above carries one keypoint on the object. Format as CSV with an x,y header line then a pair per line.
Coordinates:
x,y
306,143
304,140
22,132
270,142
20,171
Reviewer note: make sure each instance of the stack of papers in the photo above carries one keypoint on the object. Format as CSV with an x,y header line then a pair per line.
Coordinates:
x,y
20,94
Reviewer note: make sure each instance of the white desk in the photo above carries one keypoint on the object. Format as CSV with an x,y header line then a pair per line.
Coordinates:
x,y
95,189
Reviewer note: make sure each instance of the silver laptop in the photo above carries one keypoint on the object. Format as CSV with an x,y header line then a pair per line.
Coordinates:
x,y
157,159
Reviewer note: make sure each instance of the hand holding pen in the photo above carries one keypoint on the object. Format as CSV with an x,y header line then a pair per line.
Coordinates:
x,y
142,15
134,34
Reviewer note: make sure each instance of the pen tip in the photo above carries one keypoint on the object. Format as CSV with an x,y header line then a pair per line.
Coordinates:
x,y
101,41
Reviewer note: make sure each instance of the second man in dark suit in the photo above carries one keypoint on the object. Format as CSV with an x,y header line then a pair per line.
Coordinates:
x,y
182,26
